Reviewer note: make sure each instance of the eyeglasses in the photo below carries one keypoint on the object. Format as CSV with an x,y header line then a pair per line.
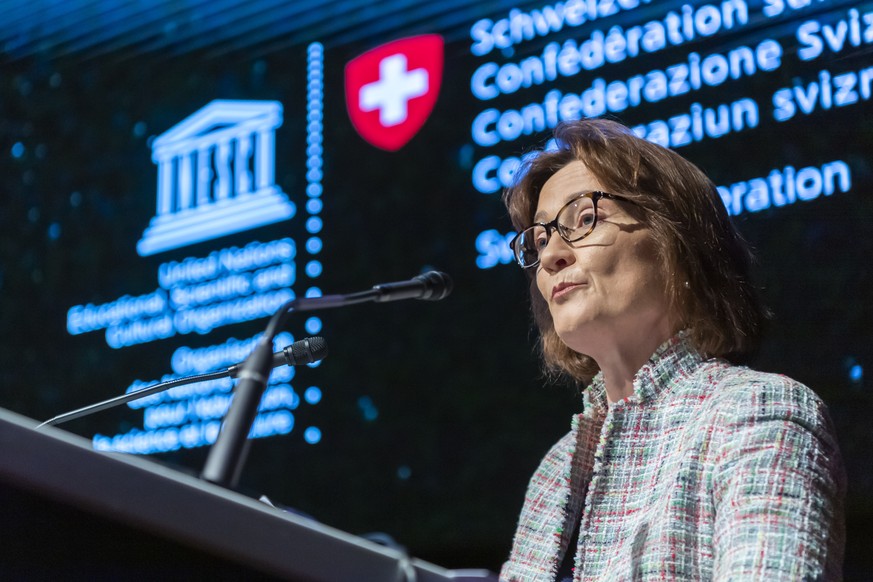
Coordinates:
x,y
574,221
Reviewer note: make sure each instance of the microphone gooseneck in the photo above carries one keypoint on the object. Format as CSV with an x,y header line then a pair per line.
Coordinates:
x,y
301,352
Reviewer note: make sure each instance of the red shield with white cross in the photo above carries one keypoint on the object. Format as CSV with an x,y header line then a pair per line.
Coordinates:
x,y
391,89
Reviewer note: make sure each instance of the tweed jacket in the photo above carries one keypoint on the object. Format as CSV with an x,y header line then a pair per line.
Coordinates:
x,y
708,471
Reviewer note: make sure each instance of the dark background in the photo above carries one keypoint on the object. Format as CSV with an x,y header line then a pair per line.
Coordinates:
x,y
463,414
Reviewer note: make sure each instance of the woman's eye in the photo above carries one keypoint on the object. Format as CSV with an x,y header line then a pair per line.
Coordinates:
x,y
586,219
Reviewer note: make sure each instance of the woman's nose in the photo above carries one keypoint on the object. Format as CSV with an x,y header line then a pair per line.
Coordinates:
x,y
557,253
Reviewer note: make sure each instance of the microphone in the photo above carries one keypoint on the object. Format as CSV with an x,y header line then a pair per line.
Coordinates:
x,y
430,286
301,352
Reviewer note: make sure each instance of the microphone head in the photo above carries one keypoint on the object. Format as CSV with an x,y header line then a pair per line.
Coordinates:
x,y
437,285
306,351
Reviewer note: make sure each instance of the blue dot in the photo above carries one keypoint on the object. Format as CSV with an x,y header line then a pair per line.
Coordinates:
x,y
312,325
314,175
313,225
404,472
314,206
313,269
314,190
313,292
368,408
54,231
856,373
312,395
17,150
312,435
313,245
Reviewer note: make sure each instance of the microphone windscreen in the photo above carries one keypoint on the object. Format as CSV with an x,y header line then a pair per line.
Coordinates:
x,y
437,285
306,351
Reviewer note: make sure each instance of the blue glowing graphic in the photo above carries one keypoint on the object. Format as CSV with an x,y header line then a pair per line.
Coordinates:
x,y
312,395
856,373
312,325
786,185
314,175
54,231
314,206
493,249
543,72
197,295
17,150
313,225
313,269
312,435
368,408
188,416
216,175
314,245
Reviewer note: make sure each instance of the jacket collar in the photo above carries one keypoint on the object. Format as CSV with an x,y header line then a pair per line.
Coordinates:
x,y
672,361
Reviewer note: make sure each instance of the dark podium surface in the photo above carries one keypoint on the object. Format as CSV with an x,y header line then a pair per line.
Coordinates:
x,y
70,512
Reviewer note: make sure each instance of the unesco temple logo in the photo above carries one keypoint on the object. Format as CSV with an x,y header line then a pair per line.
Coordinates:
x,y
216,172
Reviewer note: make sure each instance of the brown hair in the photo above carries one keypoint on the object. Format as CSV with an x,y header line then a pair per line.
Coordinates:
x,y
707,261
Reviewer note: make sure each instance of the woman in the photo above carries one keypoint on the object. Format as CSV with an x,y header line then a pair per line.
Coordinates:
x,y
682,466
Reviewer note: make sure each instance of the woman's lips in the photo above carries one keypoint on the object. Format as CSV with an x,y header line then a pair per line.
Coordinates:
x,y
563,289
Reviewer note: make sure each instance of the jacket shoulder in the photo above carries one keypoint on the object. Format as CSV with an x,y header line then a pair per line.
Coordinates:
x,y
742,395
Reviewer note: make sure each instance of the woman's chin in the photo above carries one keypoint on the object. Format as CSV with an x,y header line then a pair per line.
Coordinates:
x,y
580,339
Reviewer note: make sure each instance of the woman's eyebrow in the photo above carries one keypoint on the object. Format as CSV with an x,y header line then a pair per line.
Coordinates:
x,y
541,216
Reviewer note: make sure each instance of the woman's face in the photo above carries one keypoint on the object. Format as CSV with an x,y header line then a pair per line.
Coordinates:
x,y
607,289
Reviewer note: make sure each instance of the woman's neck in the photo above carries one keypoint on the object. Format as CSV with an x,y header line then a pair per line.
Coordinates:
x,y
621,364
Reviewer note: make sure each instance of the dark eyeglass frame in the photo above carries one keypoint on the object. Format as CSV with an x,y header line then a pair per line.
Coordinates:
x,y
553,225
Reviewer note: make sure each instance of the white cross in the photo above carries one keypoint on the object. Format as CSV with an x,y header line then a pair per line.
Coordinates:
x,y
395,87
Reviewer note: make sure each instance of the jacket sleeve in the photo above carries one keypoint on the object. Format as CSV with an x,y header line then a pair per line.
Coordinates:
x,y
778,485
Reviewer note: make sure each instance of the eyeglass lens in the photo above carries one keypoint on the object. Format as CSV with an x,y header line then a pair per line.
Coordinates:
x,y
574,221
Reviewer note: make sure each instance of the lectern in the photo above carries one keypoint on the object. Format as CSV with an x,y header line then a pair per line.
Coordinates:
x,y
70,512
